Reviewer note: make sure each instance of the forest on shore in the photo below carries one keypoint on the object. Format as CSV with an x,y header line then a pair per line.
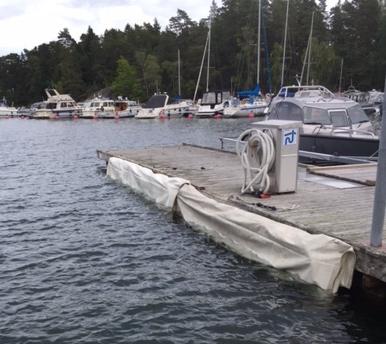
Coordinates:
x,y
142,59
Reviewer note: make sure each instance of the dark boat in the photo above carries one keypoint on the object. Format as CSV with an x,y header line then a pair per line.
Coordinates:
x,y
331,125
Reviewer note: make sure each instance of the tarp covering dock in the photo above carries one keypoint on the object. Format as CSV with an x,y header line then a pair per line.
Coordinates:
x,y
314,258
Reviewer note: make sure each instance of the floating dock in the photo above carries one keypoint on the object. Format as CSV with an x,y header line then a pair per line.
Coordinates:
x,y
334,201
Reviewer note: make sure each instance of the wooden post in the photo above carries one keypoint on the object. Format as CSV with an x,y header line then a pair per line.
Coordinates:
x,y
380,188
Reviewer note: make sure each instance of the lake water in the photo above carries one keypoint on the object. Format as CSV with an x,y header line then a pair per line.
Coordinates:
x,y
84,260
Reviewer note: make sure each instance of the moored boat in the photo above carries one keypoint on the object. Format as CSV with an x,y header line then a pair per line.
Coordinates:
x,y
57,106
154,107
247,107
7,111
179,108
125,108
336,126
212,104
99,108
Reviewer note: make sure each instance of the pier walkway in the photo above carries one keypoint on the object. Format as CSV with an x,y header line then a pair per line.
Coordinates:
x,y
333,201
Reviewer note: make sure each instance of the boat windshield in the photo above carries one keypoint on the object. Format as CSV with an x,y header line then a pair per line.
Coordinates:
x,y
287,111
157,101
339,118
288,91
357,115
209,98
51,106
314,115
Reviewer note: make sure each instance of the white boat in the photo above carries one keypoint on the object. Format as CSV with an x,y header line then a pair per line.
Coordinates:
x,y
370,101
154,107
212,104
181,108
7,111
126,108
250,102
323,116
290,92
99,108
23,112
247,107
55,107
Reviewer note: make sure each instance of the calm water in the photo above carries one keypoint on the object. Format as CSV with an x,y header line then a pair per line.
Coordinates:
x,y
84,260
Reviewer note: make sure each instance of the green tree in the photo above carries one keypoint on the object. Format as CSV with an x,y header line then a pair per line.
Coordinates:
x,y
152,74
180,23
125,82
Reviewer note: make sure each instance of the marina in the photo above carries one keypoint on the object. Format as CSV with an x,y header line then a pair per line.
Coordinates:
x,y
140,203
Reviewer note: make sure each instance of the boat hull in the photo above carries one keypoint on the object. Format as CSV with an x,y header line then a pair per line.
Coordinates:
x,y
236,112
339,145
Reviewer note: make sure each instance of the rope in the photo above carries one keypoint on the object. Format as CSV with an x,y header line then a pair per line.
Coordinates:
x,y
257,156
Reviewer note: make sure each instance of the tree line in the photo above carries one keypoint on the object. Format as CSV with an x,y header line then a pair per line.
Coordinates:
x,y
142,59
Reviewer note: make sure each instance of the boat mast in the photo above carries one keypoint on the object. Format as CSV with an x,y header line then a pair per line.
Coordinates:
x,y
208,66
179,73
309,50
258,44
266,57
307,56
284,45
202,64
340,76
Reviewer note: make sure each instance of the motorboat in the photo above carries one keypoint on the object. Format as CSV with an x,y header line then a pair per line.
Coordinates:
x,y
126,108
247,107
306,91
179,108
7,111
323,116
99,108
370,101
376,99
154,107
212,104
336,126
23,112
56,106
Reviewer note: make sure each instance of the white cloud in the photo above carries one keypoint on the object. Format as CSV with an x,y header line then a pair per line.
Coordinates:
x,y
26,24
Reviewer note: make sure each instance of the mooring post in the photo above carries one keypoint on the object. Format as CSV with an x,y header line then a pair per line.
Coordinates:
x,y
380,185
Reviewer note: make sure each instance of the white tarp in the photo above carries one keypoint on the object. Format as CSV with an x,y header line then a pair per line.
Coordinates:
x,y
314,258
318,259
154,186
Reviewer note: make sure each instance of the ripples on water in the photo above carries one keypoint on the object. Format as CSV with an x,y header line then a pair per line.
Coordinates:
x,y
84,260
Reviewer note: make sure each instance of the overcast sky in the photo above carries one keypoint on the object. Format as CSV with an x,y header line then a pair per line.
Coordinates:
x,y
28,23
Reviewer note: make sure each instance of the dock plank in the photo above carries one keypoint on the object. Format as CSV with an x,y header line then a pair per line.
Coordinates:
x,y
315,207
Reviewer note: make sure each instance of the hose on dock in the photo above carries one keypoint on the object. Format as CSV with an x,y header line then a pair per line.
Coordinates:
x,y
256,150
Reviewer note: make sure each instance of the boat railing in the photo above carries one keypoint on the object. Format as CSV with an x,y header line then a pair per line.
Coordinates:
x,y
352,131
339,130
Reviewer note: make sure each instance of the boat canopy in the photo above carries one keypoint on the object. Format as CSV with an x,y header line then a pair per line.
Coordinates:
x,y
215,97
339,114
156,101
249,93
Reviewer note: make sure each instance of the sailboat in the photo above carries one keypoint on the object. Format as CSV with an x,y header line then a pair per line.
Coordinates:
x,y
304,91
249,103
179,107
212,103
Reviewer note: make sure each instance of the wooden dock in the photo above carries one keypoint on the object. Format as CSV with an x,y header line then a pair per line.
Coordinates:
x,y
333,201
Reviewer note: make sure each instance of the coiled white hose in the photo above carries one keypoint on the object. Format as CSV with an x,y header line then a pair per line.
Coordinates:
x,y
256,150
